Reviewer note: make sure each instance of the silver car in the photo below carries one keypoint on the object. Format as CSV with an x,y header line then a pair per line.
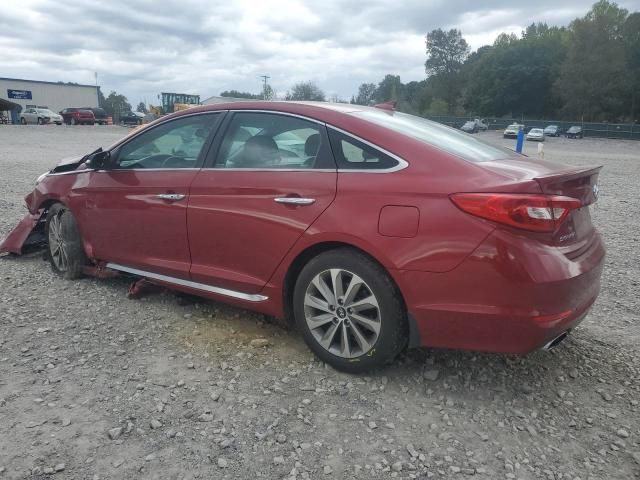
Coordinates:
x,y
40,116
536,134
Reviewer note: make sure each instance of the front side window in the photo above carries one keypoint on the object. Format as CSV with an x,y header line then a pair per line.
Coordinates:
x,y
272,141
175,144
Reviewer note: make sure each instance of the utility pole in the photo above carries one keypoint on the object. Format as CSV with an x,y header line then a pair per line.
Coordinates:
x,y
264,88
95,75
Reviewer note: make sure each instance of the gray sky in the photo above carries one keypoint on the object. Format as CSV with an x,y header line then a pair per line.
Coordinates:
x,y
143,47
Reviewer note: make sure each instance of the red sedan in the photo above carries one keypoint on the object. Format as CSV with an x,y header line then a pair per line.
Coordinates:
x,y
375,230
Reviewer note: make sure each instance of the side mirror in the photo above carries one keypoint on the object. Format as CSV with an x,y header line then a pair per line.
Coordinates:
x,y
100,161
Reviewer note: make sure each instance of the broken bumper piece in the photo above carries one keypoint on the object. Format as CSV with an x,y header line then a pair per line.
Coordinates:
x,y
29,232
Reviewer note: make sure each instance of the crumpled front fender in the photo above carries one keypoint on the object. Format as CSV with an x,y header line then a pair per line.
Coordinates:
x,y
20,235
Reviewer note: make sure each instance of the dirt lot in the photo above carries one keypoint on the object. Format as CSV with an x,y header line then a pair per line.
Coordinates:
x,y
93,385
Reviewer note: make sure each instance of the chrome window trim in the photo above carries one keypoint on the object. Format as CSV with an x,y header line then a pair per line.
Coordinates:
x,y
189,169
309,170
251,297
122,170
402,163
70,172
279,112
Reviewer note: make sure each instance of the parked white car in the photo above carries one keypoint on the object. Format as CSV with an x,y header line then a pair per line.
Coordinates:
x,y
40,116
536,134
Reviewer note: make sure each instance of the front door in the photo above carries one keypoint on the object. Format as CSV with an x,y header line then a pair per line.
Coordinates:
x,y
135,212
271,177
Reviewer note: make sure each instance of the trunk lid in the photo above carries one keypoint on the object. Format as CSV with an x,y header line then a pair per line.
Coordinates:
x,y
534,176
576,232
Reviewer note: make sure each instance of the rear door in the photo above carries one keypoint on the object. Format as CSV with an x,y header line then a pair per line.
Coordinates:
x,y
135,213
271,176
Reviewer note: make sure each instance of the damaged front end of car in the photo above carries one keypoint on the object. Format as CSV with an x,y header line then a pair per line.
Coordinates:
x,y
29,234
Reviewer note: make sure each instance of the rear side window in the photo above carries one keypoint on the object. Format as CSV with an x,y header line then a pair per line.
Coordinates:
x,y
257,140
352,154
435,134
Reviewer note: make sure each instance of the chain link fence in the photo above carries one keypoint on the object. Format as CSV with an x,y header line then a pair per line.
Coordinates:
x,y
628,131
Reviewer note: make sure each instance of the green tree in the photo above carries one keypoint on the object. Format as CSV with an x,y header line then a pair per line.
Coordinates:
x,y
305,91
268,93
631,35
390,88
594,78
116,103
515,76
141,108
366,92
446,53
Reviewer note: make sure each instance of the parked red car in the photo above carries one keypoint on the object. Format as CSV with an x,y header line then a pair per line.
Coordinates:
x,y
375,230
78,116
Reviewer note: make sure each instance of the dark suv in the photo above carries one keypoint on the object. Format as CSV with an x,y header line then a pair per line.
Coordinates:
x,y
99,113
130,117
78,116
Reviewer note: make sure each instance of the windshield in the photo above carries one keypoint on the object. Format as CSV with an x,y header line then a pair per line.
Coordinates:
x,y
513,126
44,110
436,134
536,130
574,129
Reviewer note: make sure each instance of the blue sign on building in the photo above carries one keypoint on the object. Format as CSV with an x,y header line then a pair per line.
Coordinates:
x,y
19,94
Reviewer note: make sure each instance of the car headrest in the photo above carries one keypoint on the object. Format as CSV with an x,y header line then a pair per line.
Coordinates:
x,y
260,150
312,145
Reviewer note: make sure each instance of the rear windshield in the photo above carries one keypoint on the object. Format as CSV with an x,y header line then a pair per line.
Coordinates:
x,y
435,134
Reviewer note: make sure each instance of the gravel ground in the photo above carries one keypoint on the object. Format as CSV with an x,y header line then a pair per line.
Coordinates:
x,y
93,385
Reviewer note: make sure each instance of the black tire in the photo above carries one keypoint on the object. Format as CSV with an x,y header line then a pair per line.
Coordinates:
x,y
23,121
40,122
68,233
393,326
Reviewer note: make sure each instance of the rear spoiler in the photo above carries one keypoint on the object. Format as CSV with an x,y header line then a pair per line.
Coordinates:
x,y
569,174
580,183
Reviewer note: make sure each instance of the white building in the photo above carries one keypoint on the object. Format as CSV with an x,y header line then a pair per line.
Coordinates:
x,y
53,95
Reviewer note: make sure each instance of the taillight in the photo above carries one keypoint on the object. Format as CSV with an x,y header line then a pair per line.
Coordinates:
x,y
537,213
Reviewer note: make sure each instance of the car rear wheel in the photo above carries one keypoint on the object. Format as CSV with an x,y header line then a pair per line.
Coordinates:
x,y
23,121
66,253
349,311
39,121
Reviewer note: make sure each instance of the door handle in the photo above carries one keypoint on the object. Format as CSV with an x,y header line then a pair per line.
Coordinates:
x,y
171,196
295,200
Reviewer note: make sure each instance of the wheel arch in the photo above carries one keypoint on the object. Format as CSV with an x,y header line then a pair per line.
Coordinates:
x,y
312,251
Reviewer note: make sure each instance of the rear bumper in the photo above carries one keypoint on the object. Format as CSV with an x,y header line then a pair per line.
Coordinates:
x,y
508,296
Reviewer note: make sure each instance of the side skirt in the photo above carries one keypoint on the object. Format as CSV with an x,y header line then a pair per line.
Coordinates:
x,y
250,297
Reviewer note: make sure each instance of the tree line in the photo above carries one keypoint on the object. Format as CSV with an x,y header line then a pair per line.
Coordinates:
x,y
589,70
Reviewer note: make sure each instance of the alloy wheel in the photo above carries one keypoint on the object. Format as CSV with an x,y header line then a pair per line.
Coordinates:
x,y
342,313
57,244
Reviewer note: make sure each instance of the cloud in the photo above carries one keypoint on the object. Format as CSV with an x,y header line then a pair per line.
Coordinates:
x,y
143,47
